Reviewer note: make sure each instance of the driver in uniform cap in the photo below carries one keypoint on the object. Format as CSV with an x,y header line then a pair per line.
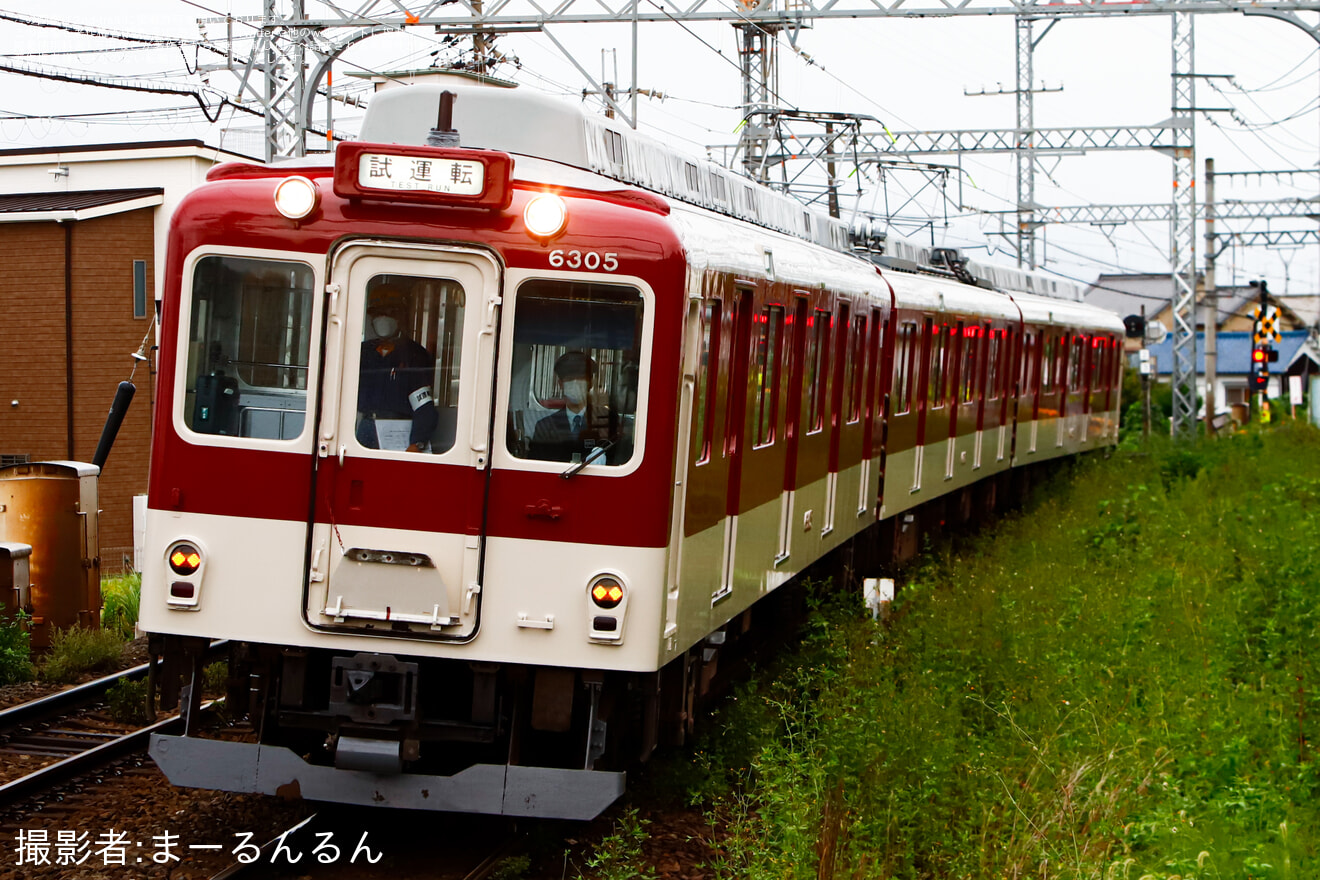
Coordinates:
x,y
574,432
394,381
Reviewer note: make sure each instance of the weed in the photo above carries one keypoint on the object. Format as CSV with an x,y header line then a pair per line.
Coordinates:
x,y
76,651
1120,682
618,854
510,868
15,652
120,600
127,701
215,678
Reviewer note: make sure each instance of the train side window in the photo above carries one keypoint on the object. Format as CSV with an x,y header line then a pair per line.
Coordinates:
x,y
904,361
938,364
1027,374
1075,363
1099,356
818,362
576,370
707,378
1011,338
408,380
1047,364
1061,365
249,341
854,371
735,409
874,358
768,355
995,338
971,349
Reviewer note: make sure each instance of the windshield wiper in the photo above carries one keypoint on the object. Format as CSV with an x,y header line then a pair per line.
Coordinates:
x,y
593,455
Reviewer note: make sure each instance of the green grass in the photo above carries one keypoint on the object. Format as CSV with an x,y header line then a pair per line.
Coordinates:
x,y
15,653
1123,682
76,651
127,702
120,600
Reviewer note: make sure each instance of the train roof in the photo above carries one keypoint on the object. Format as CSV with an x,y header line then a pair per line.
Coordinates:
x,y
526,123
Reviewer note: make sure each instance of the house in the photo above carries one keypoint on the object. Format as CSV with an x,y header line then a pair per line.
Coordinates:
x,y
82,251
1299,355
1127,294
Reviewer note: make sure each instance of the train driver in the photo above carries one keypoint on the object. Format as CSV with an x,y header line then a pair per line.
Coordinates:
x,y
581,431
395,409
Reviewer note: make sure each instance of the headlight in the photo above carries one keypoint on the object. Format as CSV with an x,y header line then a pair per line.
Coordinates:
x,y
545,215
296,197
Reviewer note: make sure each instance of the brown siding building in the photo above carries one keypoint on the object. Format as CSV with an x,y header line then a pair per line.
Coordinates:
x,y
73,326
82,242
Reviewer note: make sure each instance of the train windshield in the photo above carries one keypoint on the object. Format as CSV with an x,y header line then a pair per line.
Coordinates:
x,y
576,356
249,339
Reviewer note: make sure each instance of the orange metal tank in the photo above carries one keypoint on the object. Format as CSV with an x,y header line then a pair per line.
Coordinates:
x,y
52,506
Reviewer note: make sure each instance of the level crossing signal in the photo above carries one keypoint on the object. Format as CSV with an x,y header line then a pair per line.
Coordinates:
x,y
1267,326
1261,358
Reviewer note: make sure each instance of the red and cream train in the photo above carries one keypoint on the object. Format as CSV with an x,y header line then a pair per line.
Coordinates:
x,y
477,620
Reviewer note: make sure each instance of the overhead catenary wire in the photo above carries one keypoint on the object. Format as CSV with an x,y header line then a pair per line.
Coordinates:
x,y
986,171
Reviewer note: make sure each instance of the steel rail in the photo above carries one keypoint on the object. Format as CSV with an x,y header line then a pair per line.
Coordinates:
x,y
51,775
54,705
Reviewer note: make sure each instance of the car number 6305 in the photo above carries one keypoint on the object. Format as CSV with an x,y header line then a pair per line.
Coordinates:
x,y
592,261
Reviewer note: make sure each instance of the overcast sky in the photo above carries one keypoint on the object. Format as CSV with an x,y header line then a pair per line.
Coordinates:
x,y
911,74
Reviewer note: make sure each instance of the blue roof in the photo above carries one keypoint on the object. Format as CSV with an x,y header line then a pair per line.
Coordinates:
x,y
1234,352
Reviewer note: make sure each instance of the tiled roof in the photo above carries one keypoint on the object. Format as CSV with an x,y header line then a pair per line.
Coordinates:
x,y
1234,352
38,203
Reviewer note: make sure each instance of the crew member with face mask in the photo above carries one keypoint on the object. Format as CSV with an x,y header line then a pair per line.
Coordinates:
x,y
394,385
579,431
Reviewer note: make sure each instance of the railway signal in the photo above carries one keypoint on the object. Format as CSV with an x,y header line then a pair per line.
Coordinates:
x,y
1260,368
1265,334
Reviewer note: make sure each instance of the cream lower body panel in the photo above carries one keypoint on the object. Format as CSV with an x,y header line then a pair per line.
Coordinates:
x,y
915,476
534,606
795,521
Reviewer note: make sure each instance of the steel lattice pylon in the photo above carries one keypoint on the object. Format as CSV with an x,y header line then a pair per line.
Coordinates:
x,y
1182,230
760,76
1026,157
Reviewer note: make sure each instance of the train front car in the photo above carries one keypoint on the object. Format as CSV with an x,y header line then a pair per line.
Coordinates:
x,y
413,445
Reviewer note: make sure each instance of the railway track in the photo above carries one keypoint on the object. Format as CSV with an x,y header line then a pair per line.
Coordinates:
x,y
67,734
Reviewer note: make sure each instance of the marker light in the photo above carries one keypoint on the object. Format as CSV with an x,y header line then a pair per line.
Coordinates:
x,y
296,197
185,560
545,215
607,593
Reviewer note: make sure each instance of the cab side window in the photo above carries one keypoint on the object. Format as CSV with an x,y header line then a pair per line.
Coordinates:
x,y
576,370
248,345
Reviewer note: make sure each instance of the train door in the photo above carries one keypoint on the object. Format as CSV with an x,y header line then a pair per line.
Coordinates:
x,y
705,522
404,440
955,369
796,339
735,434
929,370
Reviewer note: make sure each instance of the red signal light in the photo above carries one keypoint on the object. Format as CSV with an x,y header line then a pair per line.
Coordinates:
x,y
1258,355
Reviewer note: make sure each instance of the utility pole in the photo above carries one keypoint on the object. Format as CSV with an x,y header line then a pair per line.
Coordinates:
x,y
1024,139
1145,382
1211,303
833,198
